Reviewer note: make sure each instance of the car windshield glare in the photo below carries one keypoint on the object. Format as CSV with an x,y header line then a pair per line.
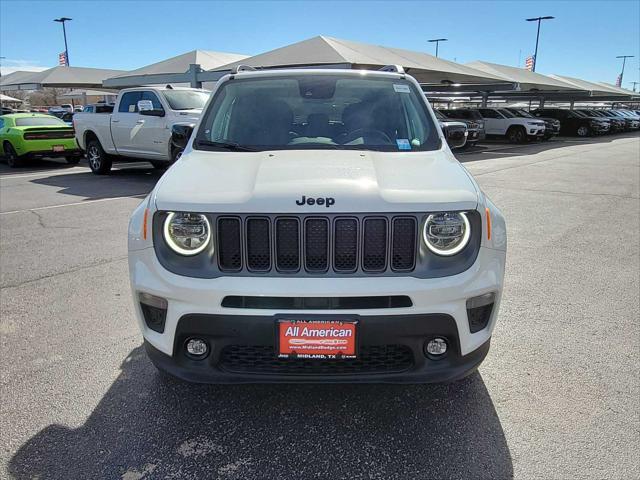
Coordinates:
x,y
39,121
318,111
186,99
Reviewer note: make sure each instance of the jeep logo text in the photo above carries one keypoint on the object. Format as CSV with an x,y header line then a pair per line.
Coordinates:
x,y
328,201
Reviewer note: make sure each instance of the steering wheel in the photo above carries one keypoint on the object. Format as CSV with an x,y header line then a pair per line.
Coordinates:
x,y
372,132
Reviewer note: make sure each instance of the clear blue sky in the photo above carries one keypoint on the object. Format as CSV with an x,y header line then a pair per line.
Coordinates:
x,y
582,41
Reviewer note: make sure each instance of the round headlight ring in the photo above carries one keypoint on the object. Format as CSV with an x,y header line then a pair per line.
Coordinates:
x,y
466,235
179,249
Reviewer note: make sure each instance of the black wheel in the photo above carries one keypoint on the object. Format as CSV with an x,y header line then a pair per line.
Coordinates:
x,y
176,153
99,161
160,165
73,160
517,135
12,157
583,131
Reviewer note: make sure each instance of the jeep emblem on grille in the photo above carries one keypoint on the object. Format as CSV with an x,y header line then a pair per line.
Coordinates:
x,y
327,201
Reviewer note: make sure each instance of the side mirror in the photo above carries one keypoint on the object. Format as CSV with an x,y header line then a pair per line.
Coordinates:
x,y
145,107
180,135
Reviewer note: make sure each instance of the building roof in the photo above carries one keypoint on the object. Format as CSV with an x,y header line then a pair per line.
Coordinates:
x,y
329,51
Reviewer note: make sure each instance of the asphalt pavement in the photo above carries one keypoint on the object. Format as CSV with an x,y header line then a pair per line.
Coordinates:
x,y
557,397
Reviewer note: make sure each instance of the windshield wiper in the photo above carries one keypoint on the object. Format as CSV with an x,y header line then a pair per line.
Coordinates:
x,y
235,147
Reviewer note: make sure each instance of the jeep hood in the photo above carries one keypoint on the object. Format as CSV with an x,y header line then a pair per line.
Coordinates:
x,y
358,181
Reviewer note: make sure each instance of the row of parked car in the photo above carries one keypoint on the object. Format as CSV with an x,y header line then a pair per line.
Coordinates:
x,y
518,125
155,112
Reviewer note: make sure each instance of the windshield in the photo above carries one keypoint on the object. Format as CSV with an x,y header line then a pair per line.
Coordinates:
x,y
186,99
577,114
507,113
318,112
38,121
522,113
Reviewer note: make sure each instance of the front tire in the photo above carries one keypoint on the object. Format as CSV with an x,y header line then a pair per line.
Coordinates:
x,y
12,157
160,165
583,131
517,135
99,161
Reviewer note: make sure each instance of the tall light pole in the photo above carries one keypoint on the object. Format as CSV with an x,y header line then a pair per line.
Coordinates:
x,y
539,20
437,42
2,58
634,85
64,32
624,60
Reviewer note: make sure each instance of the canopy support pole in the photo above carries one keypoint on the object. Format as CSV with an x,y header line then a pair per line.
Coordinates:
x,y
485,99
571,103
194,69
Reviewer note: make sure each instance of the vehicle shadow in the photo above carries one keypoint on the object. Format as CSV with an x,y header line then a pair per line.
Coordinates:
x,y
148,426
121,182
491,149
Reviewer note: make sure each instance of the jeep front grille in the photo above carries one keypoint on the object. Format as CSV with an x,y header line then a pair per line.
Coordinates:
x,y
317,244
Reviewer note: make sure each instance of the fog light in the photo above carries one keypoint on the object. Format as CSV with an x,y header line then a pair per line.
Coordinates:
x,y
197,347
436,347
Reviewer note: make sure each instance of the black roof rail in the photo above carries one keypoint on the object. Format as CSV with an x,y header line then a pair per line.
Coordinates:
x,y
242,68
392,68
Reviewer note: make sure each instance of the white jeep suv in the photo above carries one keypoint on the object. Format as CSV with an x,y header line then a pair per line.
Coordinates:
x,y
502,122
317,228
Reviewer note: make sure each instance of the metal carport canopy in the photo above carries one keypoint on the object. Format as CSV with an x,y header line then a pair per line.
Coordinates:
x,y
172,70
527,81
59,77
329,52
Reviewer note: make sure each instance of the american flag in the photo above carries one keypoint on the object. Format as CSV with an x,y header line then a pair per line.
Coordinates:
x,y
62,59
619,81
529,63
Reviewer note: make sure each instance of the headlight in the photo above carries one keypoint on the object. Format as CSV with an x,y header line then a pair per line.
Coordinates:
x,y
187,233
446,233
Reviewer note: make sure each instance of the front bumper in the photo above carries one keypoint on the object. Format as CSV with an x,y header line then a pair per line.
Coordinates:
x,y
438,308
535,132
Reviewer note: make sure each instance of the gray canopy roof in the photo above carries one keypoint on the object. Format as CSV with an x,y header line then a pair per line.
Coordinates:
x,y
60,77
527,80
14,77
179,64
596,89
324,51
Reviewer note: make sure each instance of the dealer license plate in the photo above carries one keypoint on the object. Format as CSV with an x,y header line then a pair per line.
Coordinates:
x,y
323,339
58,148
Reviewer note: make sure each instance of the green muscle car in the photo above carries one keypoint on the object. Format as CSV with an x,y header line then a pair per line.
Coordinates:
x,y
36,135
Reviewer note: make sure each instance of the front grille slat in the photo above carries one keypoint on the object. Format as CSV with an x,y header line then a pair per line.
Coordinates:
x,y
229,244
315,244
374,251
403,244
288,244
258,240
345,245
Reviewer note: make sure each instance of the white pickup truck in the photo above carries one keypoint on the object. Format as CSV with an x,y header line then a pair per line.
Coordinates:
x,y
139,127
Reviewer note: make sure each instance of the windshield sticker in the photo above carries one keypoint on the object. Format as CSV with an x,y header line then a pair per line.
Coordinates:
x,y
400,88
403,144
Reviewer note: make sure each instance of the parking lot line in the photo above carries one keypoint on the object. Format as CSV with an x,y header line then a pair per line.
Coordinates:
x,y
86,202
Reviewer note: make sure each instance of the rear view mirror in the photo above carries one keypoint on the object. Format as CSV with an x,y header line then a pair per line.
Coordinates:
x,y
180,135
